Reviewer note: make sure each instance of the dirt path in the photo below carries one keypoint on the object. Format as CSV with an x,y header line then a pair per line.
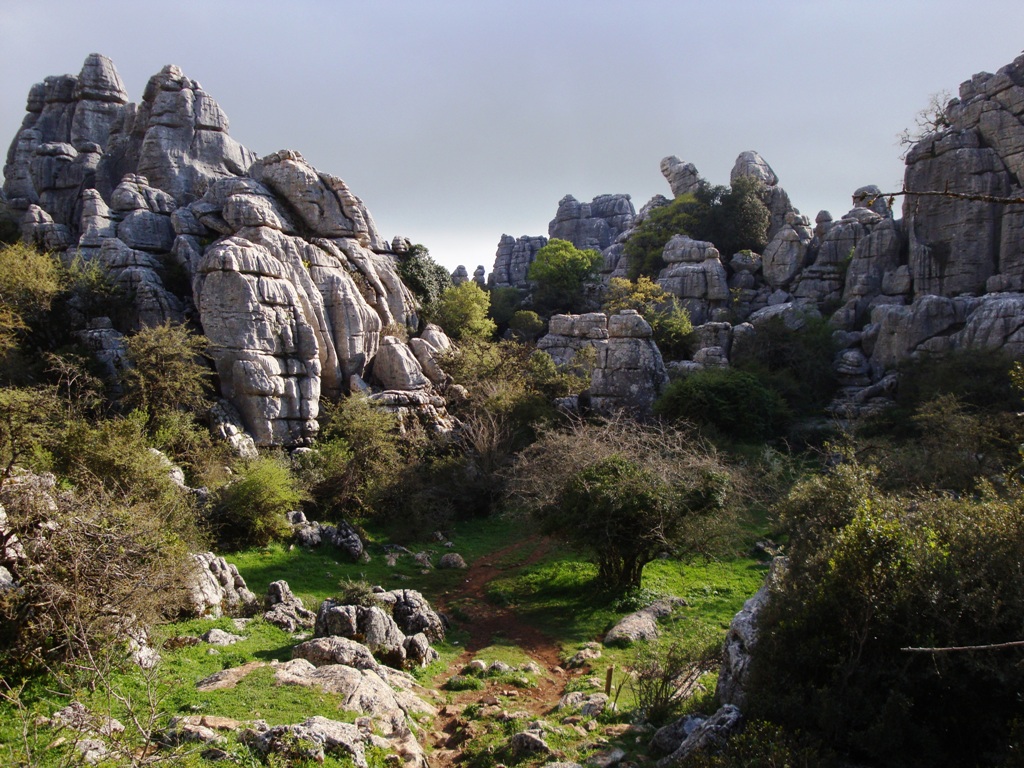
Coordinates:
x,y
488,623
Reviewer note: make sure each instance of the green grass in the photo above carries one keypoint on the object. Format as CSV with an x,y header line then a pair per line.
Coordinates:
x,y
314,575
556,595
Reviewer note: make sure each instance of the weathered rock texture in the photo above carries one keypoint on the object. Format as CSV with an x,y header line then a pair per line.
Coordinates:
x,y
279,264
629,372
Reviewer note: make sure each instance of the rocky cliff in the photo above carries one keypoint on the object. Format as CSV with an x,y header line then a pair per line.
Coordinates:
x,y
948,275
279,264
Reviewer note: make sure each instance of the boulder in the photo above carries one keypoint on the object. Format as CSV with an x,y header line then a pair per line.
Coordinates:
x,y
321,651
312,740
369,625
396,367
285,610
642,624
413,614
218,588
741,640
711,734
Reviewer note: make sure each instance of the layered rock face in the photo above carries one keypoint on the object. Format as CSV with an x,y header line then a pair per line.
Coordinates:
x,y
601,225
281,265
947,276
629,372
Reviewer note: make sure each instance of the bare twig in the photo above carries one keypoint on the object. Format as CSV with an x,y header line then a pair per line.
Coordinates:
x,y
956,648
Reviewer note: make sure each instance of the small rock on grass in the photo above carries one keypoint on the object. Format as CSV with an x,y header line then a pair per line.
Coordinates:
x,y
220,637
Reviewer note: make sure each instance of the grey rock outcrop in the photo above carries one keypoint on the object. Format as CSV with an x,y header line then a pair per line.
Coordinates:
x,y
280,264
595,225
741,641
710,734
397,630
629,373
696,275
312,740
642,624
335,650
218,588
682,178
512,261
285,610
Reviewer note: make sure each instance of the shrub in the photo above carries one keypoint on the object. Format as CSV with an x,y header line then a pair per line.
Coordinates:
x,y
664,674
765,745
165,372
361,451
733,219
356,592
795,363
870,575
505,302
117,454
944,445
669,321
526,325
462,312
249,511
464,683
424,277
624,494
96,568
561,272
29,281
734,403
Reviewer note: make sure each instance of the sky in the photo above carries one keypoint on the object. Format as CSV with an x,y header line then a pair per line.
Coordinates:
x,y
459,121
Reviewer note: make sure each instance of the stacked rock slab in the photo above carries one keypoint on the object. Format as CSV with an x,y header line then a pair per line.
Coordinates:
x,y
284,268
512,261
629,372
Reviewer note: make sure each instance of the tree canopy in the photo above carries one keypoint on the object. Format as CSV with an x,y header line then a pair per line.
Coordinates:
x,y
462,312
562,271
624,494
734,219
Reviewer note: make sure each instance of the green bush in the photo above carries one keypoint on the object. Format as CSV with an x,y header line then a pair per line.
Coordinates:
x,y
464,683
669,321
505,302
462,312
526,325
624,494
29,281
96,566
733,219
165,371
249,511
762,744
424,277
562,272
733,403
795,363
664,674
870,575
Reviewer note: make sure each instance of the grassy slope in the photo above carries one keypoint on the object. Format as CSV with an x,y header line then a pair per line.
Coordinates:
x,y
556,595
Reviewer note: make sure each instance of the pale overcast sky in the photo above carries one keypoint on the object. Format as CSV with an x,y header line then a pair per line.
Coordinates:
x,y
459,121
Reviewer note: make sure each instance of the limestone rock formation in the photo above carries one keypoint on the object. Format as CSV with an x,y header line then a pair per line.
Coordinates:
x,y
281,265
642,624
682,177
512,261
218,588
596,224
629,372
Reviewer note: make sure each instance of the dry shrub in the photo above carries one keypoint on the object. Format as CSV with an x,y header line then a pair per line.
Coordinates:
x,y
91,568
